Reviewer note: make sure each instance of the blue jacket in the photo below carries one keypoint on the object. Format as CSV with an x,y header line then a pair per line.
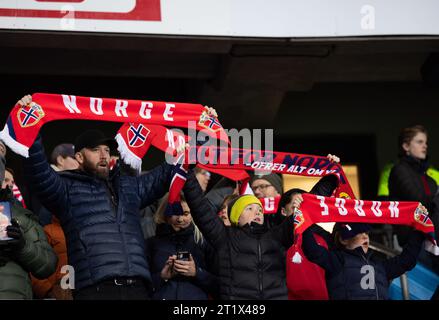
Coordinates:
x,y
166,243
100,218
349,272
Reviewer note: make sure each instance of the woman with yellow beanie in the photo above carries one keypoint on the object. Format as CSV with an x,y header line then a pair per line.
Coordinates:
x,y
251,257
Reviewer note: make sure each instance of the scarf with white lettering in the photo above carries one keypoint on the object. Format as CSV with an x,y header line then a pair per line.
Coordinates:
x,y
133,148
24,123
134,140
270,204
316,209
263,161
229,162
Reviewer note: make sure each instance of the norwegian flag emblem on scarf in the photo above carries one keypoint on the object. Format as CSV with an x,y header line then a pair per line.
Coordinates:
x,y
29,116
178,179
298,218
422,218
137,135
209,122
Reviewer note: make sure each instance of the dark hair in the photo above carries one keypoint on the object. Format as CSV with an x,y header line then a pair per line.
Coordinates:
x,y
10,171
336,236
337,240
231,198
406,135
287,196
284,200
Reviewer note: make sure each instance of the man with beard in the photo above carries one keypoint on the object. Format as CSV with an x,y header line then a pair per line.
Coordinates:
x,y
99,213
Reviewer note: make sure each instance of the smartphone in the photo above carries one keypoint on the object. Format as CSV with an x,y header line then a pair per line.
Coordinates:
x,y
5,220
183,255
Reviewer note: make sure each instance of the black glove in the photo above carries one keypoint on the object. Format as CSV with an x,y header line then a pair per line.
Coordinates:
x,y
16,234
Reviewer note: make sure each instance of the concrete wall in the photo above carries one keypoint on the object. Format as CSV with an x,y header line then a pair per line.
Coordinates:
x,y
380,109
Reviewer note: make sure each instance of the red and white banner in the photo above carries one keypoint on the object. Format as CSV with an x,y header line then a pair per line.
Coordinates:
x,y
315,209
231,18
270,204
24,122
144,10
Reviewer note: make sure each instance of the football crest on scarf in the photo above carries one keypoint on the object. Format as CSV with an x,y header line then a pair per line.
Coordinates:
x,y
344,195
298,218
30,115
209,122
422,218
137,135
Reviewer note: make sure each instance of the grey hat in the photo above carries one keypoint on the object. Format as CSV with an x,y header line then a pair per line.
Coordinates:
x,y
64,150
274,179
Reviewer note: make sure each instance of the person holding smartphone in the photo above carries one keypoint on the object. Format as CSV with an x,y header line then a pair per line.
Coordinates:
x,y
179,258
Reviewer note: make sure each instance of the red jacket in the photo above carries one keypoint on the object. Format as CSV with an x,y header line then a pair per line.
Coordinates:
x,y
305,280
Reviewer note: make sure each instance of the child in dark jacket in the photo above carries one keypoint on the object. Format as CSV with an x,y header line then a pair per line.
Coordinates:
x,y
352,270
251,258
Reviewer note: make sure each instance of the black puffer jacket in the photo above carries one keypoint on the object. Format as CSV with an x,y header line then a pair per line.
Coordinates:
x,y
168,242
100,218
251,259
408,181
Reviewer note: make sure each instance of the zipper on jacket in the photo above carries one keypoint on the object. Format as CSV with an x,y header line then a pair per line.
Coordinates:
x,y
260,269
114,202
112,195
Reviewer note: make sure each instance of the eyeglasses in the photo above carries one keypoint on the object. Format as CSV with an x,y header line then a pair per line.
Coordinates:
x,y
261,186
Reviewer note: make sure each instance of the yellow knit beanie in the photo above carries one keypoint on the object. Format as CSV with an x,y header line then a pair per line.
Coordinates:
x,y
238,207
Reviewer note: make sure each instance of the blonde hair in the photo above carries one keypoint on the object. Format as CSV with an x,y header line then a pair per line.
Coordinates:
x,y
160,217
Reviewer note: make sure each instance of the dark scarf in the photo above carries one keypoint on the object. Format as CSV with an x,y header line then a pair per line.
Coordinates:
x,y
165,230
419,165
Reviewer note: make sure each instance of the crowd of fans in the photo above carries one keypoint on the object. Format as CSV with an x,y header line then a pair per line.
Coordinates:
x,y
110,226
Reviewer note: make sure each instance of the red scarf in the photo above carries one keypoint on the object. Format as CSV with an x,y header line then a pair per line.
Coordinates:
x,y
17,194
24,123
273,161
231,163
135,139
133,148
270,205
316,209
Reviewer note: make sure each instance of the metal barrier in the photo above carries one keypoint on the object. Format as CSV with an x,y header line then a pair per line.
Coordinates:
x,y
391,253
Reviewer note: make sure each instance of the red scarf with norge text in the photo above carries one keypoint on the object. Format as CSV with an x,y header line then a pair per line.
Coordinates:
x,y
24,123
